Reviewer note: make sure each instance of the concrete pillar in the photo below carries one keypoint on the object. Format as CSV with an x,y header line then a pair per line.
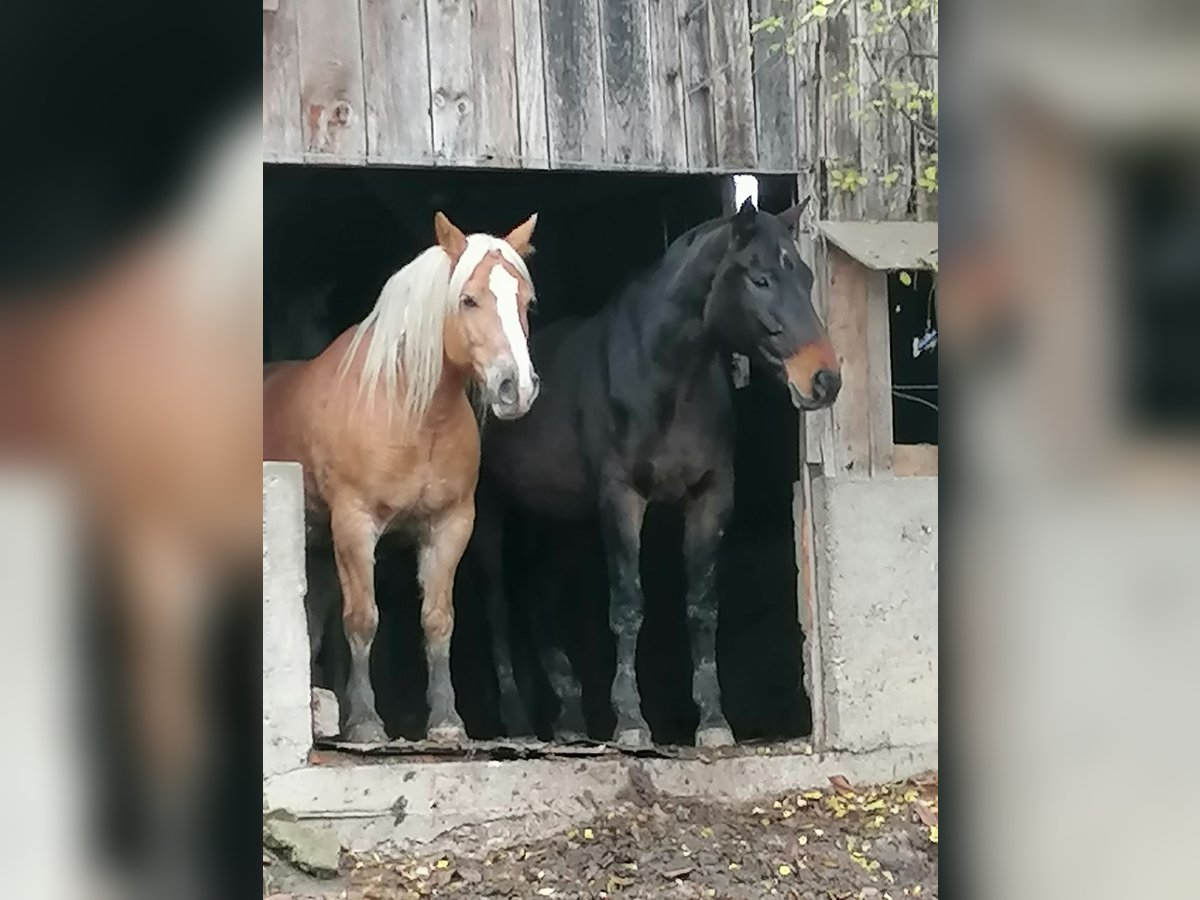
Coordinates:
x,y
287,716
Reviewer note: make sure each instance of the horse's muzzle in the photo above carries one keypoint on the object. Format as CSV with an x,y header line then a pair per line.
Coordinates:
x,y
508,397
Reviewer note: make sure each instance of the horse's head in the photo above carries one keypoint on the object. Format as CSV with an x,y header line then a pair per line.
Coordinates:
x,y
488,331
761,306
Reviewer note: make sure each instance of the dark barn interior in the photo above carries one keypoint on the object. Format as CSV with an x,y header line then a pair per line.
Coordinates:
x,y
914,377
333,236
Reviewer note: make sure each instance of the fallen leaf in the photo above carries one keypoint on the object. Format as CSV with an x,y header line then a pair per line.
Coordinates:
x,y
443,863
588,834
926,815
546,892
785,870
840,784
672,874
811,795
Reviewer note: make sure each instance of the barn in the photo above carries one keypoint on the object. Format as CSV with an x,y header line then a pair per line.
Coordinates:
x,y
622,123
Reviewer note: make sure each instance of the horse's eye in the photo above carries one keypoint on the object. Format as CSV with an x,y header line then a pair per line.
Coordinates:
x,y
469,301
759,281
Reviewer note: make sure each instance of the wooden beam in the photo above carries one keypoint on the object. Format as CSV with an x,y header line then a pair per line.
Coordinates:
x,y
879,372
847,327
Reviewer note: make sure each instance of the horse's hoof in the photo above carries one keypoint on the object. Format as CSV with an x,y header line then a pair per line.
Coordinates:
x,y
715,736
449,733
369,731
633,739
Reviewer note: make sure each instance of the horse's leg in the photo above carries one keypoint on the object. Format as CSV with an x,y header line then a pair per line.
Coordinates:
x,y
622,511
547,628
441,548
705,518
355,534
488,549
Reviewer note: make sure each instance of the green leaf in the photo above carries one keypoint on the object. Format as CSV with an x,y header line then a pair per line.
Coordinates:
x,y
906,279
820,10
891,178
876,6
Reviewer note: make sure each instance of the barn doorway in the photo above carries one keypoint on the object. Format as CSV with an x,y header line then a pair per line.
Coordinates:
x,y
332,236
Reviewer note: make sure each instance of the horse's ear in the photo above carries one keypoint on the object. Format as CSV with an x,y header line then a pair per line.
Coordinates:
x,y
519,238
449,237
743,221
791,217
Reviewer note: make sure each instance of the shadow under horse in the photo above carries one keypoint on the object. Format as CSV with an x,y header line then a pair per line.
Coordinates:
x,y
637,407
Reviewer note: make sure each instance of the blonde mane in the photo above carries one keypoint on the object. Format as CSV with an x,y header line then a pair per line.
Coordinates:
x,y
404,332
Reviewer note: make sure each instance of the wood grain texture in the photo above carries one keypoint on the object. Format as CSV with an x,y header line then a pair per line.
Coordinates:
x,y
730,69
879,373
494,64
669,138
842,141
775,103
847,326
399,125
629,124
330,44
452,82
924,32
531,84
574,83
283,137
697,89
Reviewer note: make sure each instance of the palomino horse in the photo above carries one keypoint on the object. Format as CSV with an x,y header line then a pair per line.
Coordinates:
x,y
639,409
382,425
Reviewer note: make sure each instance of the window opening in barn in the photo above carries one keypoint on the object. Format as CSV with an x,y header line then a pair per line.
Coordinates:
x,y
332,236
912,298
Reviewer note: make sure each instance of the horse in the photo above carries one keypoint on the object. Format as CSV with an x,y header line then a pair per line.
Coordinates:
x,y
638,409
383,427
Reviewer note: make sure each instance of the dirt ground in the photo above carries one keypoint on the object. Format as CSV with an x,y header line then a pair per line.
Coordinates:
x,y
848,841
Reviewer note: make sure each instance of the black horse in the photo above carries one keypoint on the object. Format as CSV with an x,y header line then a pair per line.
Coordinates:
x,y
636,407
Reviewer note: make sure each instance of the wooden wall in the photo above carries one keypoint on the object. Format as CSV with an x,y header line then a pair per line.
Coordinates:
x,y
659,85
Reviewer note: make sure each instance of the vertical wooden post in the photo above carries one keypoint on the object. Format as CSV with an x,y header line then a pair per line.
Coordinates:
x,y
879,374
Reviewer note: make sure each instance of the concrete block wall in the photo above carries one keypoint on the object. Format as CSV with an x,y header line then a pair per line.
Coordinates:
x,y
287,717
877,591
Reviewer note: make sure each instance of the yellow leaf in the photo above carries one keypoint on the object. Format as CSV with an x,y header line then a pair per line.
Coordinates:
x,y
812,795
785,870
443,863
572,834
906,280
916,889
802,840
933,833
734,866
588,834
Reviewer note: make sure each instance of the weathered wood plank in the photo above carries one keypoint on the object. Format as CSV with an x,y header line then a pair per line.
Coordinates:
x,y
697,89
399,126
843,144
730,69
283,138
452,82
574,82
531,84
775,103
924,32
669,140
813,423
330,45
879,376
884,130
847,326
628,113
494,65
810,140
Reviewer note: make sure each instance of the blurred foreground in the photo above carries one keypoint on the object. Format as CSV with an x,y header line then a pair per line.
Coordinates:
x,y
1070,299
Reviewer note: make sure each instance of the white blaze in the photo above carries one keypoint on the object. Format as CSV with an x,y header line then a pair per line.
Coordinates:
x,y
504,288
